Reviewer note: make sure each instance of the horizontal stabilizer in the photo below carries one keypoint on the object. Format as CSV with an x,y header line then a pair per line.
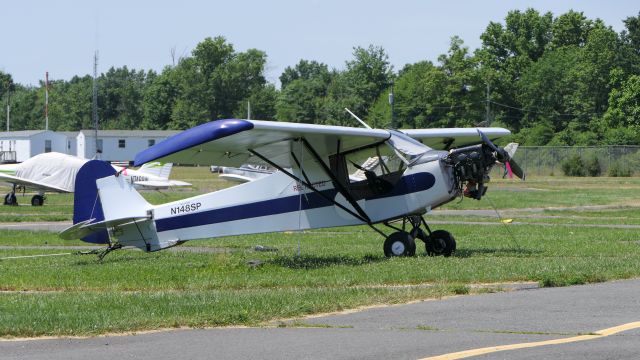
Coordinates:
x,y
156,184
88,227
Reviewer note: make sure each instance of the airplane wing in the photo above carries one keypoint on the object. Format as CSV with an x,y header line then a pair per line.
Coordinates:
x,y
230,142
32,184
448,138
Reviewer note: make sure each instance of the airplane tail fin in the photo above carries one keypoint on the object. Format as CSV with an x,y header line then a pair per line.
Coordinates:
x,y
157,168
102,200
86,203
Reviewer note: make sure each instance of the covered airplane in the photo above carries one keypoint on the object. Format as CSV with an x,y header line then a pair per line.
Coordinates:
x,y
56,172
419,170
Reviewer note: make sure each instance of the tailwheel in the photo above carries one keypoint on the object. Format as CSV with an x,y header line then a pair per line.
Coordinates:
x,y
399,243
440,242
37,200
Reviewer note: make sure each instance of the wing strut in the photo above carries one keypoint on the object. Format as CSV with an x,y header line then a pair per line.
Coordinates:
x,y
363,215
364,218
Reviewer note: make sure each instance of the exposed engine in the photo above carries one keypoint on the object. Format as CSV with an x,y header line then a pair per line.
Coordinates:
x,y
472,164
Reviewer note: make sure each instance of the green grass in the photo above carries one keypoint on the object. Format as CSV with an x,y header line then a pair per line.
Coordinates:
x,y
341,268
131,290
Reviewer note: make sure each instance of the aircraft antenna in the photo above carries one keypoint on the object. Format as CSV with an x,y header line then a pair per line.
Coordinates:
x,y
357,118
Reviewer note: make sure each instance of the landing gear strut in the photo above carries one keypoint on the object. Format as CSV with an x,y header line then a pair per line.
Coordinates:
x,y
402,243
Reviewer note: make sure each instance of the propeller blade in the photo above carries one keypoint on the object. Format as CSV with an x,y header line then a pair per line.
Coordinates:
x,y
517,170
486,140
503,156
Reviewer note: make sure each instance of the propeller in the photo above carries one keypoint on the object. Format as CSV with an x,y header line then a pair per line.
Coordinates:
x,y
503,156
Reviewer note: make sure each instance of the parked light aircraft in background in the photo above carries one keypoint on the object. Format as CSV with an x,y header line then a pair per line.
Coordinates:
x,y
56,172
243,173
421,169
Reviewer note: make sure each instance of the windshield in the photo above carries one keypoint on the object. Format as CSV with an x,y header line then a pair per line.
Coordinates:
x,y
406,147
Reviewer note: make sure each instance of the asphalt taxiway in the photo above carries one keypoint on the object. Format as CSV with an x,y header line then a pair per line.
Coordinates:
x,y
598,321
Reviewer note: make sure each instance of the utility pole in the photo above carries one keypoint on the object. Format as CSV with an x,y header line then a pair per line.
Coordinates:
x,y
393,114
46,100
8,106
486,118
94,102
248,110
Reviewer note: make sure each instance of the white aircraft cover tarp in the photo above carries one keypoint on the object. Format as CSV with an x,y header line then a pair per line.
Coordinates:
x,y
56,169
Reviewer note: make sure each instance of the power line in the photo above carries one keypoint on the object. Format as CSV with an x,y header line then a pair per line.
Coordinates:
x,y
539,112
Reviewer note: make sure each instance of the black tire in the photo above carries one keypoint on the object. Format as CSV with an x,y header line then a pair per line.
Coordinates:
x,y
10,199
37,200
400,243
440,242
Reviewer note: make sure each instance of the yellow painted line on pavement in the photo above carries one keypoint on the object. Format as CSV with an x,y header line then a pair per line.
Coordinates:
x,y
491,349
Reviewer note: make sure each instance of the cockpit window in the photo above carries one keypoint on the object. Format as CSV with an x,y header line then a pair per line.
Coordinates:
x,y
406,145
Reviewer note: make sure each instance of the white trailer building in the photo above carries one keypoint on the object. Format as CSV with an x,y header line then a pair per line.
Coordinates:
x,y
22,145
118,145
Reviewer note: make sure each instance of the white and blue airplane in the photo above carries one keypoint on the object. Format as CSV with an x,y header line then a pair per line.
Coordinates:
x,y
421,169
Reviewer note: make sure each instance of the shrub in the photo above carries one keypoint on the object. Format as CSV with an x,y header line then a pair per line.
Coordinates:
x,y
619,169
592,166
573,166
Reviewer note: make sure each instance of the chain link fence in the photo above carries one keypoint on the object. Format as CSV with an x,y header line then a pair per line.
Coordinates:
x,y
548,160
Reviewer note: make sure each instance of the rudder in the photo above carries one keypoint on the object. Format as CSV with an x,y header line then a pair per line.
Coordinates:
x,y
86,202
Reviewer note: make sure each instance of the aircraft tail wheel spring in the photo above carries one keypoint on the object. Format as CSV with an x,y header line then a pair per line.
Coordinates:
x,y
400,243
440,242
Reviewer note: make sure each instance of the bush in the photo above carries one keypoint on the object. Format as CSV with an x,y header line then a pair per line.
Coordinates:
x,y
592,166
573,166
619,169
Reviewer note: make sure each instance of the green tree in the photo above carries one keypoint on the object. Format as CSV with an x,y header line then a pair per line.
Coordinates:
x,y
263,104
367,75
159,98
120,96
622,118
305,70
547,85
570,29
507,52
70,104
215,82
304,89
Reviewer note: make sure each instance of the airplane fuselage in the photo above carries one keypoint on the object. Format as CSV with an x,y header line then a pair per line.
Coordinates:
x,y
278,203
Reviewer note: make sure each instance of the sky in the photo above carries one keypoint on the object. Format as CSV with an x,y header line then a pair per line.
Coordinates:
x,y
61,36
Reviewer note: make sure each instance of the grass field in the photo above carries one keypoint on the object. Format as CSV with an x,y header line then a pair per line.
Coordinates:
x,y
216,282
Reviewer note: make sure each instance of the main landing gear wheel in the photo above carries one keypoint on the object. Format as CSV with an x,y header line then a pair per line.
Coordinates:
x,y
10,199
399,243
37,200
440,242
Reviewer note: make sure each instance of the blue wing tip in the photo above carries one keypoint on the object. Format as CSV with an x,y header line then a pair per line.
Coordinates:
x,y
195,136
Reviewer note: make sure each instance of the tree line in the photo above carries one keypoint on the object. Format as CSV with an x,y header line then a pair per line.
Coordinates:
x,y
565,80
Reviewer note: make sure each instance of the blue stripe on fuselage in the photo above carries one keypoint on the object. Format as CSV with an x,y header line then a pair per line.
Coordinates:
x,y
406,185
